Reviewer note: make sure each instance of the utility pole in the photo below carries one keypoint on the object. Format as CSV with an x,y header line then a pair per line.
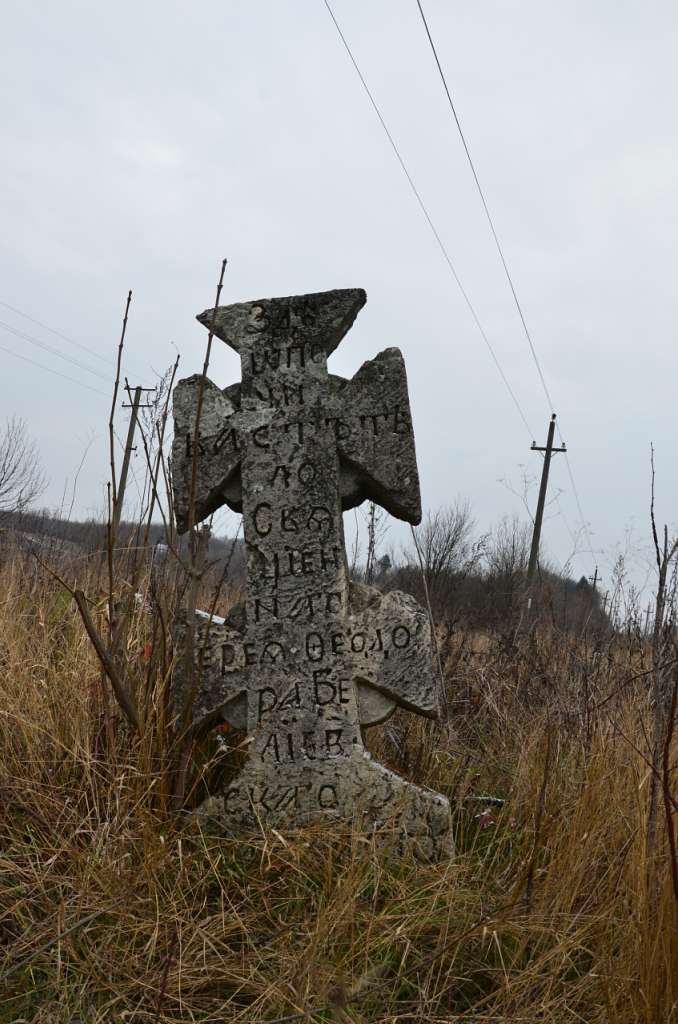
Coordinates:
x,y
549,450
129,448
594,581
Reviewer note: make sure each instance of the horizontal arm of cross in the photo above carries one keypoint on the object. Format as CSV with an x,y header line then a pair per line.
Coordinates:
x,y
368,416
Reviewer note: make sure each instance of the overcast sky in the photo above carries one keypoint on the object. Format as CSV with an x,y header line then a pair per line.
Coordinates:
x,y
142,142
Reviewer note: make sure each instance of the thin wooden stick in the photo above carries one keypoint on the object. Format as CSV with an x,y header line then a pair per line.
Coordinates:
x,y
198,411
666,788
122,696
155,471
434,638
196,549
116,387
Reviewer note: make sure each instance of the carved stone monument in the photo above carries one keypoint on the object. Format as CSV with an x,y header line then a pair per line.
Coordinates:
x,y
311,658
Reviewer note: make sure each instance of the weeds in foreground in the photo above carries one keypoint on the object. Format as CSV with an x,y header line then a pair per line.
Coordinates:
x,y
115,907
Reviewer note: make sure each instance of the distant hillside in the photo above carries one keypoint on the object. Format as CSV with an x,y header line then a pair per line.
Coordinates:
x,y
49,531
484,592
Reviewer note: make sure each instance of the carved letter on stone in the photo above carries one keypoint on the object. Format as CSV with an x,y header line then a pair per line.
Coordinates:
x,y
315,657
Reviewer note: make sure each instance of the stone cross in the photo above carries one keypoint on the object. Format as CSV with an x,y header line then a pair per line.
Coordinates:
x,y
311,658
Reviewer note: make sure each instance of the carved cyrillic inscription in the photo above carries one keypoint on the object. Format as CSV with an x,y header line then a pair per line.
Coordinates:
x,y
319,656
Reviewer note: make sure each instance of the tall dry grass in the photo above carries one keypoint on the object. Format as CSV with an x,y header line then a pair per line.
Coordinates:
x,y
114,907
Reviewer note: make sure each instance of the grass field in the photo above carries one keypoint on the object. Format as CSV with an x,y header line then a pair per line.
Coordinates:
x,y
116,907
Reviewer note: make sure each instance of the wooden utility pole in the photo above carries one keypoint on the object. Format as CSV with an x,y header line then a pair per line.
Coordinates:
x,y
594,581
549,450
129,448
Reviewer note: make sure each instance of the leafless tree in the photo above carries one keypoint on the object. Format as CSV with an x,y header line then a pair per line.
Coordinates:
x,y
508,549
506,557
444,539
446,550
21,476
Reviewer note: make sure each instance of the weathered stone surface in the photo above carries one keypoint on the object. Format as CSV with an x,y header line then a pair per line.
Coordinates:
x,y
218,480
368,416
384,643
314,657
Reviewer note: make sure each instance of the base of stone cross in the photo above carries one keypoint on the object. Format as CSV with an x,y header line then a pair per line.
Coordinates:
x,y
406,817
386,641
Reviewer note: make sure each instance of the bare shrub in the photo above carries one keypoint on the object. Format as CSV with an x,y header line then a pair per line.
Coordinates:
x,y
21,477
443,555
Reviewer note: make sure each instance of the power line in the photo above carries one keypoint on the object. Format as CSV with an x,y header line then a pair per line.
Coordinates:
x,y
446,256
53,351
561,513
487,213
49,369
52,330
587,532
434,230
500,251
60,334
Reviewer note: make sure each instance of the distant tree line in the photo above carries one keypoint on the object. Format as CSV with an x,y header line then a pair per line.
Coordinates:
x,y
469,580
48,529
481,581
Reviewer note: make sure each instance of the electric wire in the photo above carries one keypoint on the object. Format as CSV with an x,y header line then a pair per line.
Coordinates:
x,y
53,351
487,213
504,263
53,330
429,220
49,369
585,528
567,525
448,260
440,243
59,334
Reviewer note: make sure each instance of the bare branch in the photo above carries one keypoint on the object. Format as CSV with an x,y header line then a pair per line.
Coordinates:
x,y
120,690
21,476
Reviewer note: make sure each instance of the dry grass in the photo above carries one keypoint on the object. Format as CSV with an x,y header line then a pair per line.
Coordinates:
x,y
114,909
